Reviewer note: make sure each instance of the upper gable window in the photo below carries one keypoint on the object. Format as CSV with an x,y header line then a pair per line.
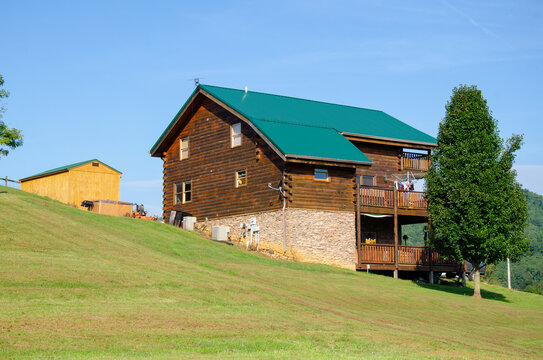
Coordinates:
x,y
95,164
321,174
184,148
235,134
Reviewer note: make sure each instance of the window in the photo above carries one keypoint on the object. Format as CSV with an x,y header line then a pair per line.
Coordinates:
x,y
95,164
321,174
241,178
368,180
184,146
235,134
183,192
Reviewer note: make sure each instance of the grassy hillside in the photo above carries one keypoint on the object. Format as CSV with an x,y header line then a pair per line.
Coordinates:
x,y
79,285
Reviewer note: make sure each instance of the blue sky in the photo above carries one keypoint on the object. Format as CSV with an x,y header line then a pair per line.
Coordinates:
x,y
102,79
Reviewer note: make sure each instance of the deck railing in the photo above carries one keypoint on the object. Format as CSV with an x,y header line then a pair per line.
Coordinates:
x,y
377,254
384,197
407,255
414,161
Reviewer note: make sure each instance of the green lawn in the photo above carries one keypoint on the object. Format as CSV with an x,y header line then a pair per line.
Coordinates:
x,y
75,284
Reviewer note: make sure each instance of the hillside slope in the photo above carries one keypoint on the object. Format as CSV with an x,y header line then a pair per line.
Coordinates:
x,y
527,274
75,284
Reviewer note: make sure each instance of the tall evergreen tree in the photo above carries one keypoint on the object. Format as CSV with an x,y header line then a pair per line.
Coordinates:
x,y
477,209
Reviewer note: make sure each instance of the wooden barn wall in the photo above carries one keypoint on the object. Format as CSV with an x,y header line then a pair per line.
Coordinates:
x,y
85,182
337,193
54,186
386,161
94,183
212,166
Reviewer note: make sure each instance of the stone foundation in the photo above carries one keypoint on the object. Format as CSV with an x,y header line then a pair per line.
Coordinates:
x,y
325,237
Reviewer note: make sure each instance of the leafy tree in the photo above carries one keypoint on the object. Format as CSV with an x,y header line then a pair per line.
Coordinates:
x,y
527,274
477,209
9,138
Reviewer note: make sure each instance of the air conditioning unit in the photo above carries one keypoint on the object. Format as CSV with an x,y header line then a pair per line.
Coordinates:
x,y
188,222
220,233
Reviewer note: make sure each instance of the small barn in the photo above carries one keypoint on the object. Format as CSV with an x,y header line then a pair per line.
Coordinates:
x,y
71,184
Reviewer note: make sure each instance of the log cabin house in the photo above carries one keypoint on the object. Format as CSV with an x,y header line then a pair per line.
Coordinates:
x,y
335,167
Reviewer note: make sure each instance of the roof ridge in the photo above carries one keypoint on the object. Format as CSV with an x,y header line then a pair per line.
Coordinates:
x,y
295,98
68,167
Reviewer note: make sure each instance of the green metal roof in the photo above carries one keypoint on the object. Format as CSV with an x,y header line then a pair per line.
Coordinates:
x,y
310,141
345,119
67,167
310,128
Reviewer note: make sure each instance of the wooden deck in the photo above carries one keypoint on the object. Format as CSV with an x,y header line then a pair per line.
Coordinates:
x,y
382,257
414,161
381,200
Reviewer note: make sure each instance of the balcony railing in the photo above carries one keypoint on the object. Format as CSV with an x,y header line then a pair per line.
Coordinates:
x,y
414,161
384,197
407,255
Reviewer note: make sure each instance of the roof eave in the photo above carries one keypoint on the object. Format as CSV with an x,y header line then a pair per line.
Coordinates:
x,y
43,175
394,140
172,123
318,158
246,120
180,113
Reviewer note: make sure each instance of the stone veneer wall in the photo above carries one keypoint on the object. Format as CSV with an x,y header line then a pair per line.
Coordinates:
x,y
326,237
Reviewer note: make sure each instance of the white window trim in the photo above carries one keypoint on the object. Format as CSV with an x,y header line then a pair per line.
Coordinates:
x,y
181,148
185,192
233,135
237,178
182,192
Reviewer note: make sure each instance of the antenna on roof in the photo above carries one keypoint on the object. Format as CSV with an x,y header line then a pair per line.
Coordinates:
x,y
246,88
196,81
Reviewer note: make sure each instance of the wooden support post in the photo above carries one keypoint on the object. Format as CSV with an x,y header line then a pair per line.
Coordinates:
x,y
6,181
431,263
358,221
396,232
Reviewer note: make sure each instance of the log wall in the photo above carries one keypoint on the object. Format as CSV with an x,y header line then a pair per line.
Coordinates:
x,y
386,160
212,166
336,193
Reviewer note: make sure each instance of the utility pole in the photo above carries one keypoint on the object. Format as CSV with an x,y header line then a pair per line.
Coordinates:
x,y
395,197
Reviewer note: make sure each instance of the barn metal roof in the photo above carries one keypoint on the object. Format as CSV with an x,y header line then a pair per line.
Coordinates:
x,y
308,128
65,168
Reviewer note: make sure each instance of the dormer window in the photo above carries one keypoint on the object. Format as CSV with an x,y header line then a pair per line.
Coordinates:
x,y
235,134
184,148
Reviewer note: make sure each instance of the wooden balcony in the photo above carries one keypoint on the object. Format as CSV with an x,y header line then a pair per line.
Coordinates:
x,y
381,200
414,161
383,257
